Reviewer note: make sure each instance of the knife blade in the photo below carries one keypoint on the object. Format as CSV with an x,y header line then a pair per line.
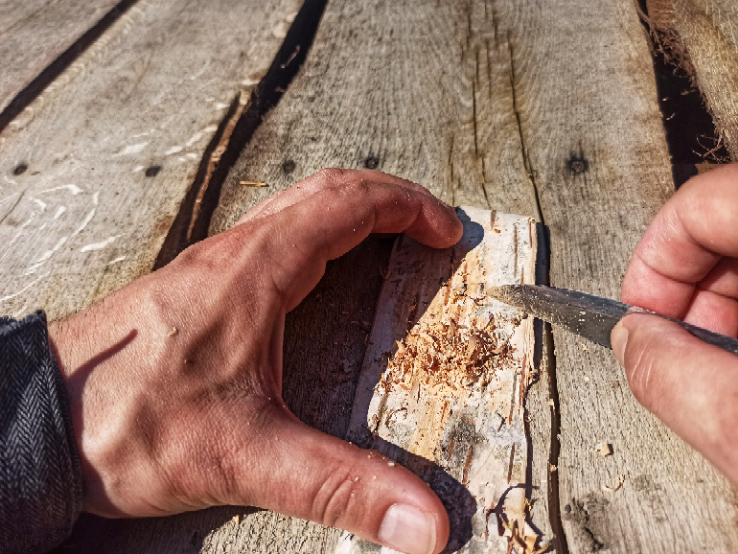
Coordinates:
x,y
589,316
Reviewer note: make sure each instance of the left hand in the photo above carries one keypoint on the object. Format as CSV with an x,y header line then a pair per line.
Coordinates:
x,y
175,381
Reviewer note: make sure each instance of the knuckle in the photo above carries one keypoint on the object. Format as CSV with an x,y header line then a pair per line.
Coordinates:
x,y
360,187
335,497
641,368
332,176
214,254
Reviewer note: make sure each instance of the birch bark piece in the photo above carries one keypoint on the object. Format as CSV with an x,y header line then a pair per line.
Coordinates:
x,y
444,378
706,31
93,172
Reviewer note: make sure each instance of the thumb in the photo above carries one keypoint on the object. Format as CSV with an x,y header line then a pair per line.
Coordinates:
x,y
314,476
688,384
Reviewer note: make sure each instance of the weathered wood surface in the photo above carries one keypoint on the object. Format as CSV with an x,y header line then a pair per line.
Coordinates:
x,y
704,33
34,33
443,381
502,104
491,103
95,170
594,140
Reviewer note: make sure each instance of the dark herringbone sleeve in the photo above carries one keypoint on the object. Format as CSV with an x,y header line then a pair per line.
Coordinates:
x,y
40,476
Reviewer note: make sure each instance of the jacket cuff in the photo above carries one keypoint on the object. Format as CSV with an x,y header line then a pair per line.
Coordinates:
x,y
40,472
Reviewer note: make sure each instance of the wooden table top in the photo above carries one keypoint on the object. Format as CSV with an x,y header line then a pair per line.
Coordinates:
x,y
130,130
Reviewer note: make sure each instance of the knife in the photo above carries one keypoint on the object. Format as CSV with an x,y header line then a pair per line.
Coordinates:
x,y
589,316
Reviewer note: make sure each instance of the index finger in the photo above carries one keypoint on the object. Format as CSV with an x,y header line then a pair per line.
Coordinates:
x,y
302,237
685,241
319,181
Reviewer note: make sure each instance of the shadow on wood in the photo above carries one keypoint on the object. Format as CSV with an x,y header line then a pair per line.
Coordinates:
x,y
457,500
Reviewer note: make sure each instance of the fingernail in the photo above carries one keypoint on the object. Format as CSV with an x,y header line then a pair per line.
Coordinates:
x,y
619,340
408,530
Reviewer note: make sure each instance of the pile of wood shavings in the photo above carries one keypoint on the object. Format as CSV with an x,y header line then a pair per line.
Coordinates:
x,y
445,355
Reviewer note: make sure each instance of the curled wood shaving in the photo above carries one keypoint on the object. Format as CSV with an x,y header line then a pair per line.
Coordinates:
x,y
607,488
446,355
521,543
604,449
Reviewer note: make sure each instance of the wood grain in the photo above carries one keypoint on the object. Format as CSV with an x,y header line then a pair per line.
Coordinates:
x,y
93,172
706,31
510,104
34,33
422,90
595,144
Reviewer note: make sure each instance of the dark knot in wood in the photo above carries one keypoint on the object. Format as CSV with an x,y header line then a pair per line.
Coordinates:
x,y
371,163
153,171
578,164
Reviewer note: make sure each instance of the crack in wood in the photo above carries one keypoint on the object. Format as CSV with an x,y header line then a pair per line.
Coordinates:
x,y
524,148
214,153
235,131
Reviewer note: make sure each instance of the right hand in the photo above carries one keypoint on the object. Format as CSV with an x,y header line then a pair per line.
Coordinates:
x,y
686,267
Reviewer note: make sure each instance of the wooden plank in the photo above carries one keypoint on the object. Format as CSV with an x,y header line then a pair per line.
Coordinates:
x,y
442,384
573,66
477,101
35,33
94,171
703,34
593,134
419,89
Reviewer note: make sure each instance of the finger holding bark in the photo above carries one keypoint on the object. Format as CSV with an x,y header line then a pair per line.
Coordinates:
x,y
327,178
302,237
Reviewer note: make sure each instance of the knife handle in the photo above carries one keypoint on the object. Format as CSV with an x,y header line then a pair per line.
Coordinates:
x,y
716,339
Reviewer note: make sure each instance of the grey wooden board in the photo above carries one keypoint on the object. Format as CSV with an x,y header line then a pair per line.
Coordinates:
x,y
34,33
413,87
592,130
113,145
422,90
708,30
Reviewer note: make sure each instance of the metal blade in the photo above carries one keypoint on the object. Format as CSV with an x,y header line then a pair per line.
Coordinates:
x,y
589,316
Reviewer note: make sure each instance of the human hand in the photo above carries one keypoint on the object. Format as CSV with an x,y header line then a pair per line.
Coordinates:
x,y
686,267
175,381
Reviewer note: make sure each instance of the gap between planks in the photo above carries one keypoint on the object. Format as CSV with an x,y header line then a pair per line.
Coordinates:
x,y
236,130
